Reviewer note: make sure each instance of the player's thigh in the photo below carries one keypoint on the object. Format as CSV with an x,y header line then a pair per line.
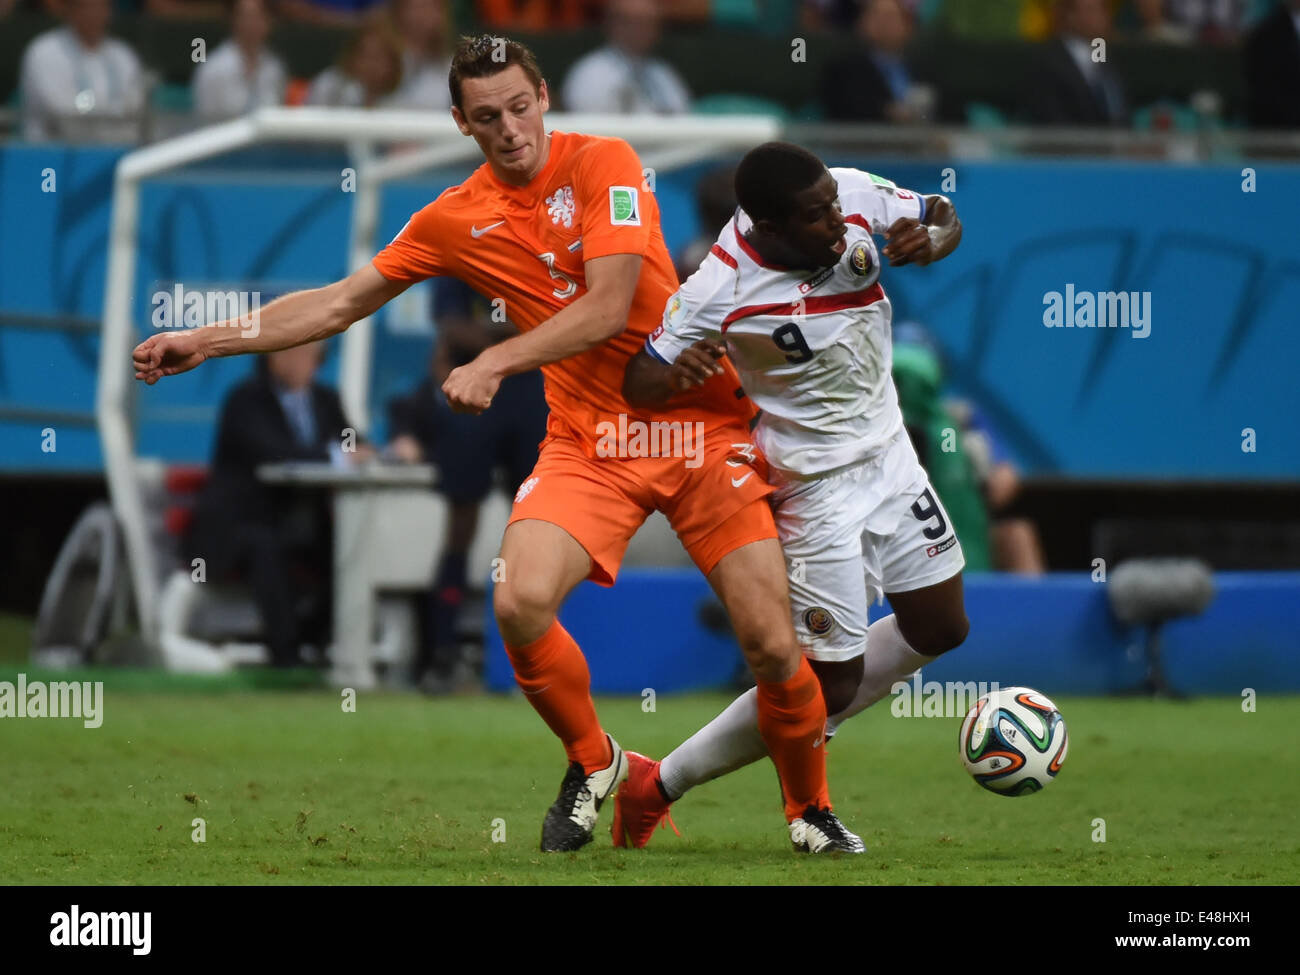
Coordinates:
x,y
919,567
597,503
829,603
540,565
820,526
750,581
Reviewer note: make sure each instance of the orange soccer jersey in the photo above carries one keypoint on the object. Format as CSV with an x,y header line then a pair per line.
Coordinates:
x,y
527,245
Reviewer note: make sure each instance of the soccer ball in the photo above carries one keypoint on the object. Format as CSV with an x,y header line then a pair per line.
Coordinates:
x,y
1013,741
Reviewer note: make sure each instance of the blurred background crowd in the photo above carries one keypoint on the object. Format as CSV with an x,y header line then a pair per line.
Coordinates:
x,y
1013,422
131,70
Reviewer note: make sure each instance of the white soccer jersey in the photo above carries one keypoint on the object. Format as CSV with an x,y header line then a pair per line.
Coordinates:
x,y
812,347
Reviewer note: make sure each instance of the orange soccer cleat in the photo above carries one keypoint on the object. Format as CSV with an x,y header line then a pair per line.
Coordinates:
x,y
640,805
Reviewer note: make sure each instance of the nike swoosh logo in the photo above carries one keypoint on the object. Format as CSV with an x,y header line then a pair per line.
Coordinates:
x,y
738,481
476,232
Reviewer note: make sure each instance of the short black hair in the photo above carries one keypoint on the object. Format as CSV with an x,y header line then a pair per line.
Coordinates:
x,y
483,55
771,174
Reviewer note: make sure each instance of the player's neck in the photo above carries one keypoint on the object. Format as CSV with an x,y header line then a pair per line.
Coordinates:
x,y
542,158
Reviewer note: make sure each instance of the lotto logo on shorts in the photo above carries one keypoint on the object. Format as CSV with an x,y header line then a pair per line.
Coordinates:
x,y
943,546
526,488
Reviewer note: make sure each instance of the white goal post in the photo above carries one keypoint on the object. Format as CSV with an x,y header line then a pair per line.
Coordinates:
x,y
662,143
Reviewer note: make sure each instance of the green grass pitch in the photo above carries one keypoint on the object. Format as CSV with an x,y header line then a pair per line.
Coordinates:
x,y
410,790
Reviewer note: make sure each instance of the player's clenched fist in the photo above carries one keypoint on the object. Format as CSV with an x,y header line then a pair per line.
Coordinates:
x,y
696,364
167,354
907,242
470,388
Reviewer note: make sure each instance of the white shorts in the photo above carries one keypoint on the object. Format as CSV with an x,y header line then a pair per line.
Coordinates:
x,y
852,535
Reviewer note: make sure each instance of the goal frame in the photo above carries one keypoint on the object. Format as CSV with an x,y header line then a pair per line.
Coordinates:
x,y
662,143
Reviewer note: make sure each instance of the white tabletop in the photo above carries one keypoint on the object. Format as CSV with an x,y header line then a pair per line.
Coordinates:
x,y
370,474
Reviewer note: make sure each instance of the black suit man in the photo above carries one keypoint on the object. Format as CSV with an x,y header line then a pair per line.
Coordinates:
x,y
278,540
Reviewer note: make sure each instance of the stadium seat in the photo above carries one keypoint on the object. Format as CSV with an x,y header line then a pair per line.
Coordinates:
x,y
173,98
734,104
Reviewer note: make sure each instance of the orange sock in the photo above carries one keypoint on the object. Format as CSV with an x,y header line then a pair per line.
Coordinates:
x,y
791,719
554,677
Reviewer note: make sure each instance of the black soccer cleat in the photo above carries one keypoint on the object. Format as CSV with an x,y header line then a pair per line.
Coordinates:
x,y
571,820
820,831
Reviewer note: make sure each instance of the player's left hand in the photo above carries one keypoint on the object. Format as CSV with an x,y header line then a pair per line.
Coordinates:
x,y
696,365
907,241
470,388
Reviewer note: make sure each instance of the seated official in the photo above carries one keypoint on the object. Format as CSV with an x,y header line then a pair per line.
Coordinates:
x,y
276,539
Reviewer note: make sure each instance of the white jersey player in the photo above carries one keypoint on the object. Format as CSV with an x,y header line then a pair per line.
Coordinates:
x,y
791,292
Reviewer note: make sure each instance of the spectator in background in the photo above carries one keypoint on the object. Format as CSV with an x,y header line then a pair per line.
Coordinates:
x,y
1191,21
469,451
186,9
537,15
277,540
1066,86
875,84
622,77
840,15
368,72
242,73
425,34
997,19
1272,61
327,13
77,84
715,204
978,483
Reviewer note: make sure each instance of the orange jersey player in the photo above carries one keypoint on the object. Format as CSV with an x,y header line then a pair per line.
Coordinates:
x,y
559,226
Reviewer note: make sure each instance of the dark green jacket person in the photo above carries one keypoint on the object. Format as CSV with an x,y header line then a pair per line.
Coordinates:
x,y
936,435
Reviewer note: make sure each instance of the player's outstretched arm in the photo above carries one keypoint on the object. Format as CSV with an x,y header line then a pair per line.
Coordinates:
x,y
294,319
913,242
647,381
595,317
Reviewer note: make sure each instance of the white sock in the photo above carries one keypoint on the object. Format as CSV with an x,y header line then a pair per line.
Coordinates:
x,y
728,742
889,659
731,740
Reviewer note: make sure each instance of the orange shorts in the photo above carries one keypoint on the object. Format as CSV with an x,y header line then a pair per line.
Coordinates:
x,y
716,501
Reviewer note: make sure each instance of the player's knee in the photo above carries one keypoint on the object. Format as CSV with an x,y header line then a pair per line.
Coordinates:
x,y
940,634
524,610
772,655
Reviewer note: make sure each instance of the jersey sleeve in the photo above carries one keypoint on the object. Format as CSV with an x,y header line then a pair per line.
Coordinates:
x,y
876,199
617,214
697,311
417,252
